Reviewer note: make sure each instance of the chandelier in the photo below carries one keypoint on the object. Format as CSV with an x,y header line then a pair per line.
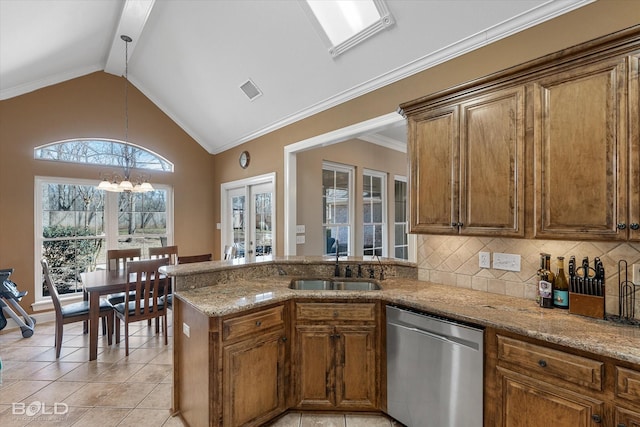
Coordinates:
x,y
115,182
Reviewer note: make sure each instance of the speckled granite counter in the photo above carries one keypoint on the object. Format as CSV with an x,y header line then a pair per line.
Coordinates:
x,y
517,315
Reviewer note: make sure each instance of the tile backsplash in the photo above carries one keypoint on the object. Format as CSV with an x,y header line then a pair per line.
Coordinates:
x,y
453,260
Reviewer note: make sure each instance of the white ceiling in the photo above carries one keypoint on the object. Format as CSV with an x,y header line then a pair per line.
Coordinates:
x,y
191,56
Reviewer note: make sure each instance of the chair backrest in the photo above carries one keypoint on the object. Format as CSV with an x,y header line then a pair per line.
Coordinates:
x,y
170,252
149,287
117,258
229,252
53,291
194,258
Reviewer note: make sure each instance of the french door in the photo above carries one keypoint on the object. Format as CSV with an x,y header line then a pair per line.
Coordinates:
x,y
248,216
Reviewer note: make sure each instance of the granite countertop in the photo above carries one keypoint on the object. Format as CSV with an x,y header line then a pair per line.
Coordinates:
x,y
517,315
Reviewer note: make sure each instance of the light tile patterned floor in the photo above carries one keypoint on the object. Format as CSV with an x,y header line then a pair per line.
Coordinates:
x,y
114,390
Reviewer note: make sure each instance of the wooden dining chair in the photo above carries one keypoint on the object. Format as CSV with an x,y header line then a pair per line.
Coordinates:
x,y
117,258
170,252
188,259
117,261
75,312
145,299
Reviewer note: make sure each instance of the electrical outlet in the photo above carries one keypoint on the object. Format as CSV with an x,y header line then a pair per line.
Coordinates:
x,y
510,262
186,330
484,260
636,274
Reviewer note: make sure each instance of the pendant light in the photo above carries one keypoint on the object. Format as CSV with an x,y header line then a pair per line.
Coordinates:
x,y
114,182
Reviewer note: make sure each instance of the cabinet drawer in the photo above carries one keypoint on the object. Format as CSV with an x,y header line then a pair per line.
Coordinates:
x,y
551,363
251,323
628,384
336,311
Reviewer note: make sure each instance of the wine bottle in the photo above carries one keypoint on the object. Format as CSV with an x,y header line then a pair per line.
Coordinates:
x,y
545,284
561,286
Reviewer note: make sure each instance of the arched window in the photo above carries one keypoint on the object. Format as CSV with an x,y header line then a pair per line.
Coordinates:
x,y
106,152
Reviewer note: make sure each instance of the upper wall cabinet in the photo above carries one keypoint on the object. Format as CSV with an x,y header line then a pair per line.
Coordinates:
x,y
547,149
581,152
466,167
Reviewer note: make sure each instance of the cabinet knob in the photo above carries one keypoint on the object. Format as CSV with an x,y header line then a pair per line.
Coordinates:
x,y
258,323
596,418
622,226
284,339
460,224
454,224
622,425
542,363
634,226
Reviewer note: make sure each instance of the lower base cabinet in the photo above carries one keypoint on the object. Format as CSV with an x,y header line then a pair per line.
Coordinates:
x,y
335,356
336,366
535,384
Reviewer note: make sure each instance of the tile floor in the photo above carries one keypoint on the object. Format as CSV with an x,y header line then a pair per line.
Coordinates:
x,y
114,390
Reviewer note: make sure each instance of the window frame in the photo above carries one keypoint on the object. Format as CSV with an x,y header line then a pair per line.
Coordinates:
x,y
385,21
383,176
405,223
350,170
110,228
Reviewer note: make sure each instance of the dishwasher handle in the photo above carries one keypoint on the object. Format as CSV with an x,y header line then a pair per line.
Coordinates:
x,y
439,337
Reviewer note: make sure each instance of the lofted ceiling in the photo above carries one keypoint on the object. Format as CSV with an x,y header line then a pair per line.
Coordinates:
x,y
190,57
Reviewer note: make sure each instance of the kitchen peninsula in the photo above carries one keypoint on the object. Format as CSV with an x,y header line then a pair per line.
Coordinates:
x,y
241,336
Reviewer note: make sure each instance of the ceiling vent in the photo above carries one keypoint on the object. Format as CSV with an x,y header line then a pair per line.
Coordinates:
x,y
251,90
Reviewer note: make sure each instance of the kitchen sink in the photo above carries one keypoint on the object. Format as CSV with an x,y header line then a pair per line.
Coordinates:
x,y
334,285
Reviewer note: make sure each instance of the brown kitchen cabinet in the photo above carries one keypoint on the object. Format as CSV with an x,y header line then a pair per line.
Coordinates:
x,y
253,354
232,370
548,149
466,171
581,151
538,384
335,358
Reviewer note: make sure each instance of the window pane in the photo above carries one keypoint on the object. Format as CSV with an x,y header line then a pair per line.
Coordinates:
x,y
103,152
71,214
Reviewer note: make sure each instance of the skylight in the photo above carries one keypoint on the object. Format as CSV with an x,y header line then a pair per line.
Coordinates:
x,y
342,24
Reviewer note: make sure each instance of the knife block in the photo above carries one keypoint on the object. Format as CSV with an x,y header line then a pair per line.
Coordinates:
x,y
587,305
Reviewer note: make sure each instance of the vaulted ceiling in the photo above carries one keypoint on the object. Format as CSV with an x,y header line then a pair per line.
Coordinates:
x,y
190,57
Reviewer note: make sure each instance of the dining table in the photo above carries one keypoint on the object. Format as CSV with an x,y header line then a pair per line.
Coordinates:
x,y
96,284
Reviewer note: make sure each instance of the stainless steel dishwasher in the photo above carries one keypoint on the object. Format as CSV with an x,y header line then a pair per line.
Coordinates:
x,y
434,370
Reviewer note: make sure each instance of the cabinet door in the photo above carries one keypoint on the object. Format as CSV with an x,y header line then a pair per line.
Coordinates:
x,y
580,138
531,403
626,418
253,380
492,170
634,142
313,360
356,367
433,152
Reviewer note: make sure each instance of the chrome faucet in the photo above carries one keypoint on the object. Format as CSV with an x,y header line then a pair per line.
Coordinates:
x,y
381,268
336,272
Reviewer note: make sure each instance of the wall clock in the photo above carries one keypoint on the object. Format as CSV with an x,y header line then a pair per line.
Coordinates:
x,y
244,159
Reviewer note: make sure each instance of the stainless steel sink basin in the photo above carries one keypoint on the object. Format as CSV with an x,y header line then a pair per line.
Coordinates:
x,y
356,285
311,284
334,285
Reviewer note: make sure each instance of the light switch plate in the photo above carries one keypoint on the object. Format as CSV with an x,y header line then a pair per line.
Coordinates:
x,y
484,260
300,229
510,262
300,239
